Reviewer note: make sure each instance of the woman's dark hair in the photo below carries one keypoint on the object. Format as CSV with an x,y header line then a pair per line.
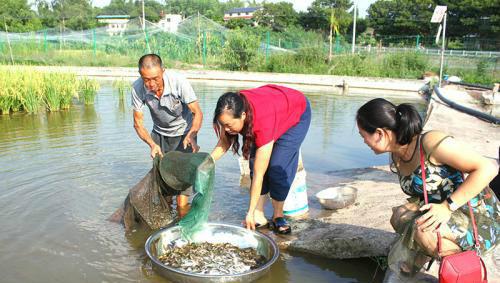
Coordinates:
x,y
403,119
236,103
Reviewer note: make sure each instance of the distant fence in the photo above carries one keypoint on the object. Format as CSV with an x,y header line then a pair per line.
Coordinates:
x,y
200,40
433,51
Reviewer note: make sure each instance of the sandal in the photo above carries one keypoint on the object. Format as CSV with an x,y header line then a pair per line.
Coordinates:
x,y
281,226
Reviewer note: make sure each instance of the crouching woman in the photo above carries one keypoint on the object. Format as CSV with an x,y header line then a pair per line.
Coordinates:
x,y
397,130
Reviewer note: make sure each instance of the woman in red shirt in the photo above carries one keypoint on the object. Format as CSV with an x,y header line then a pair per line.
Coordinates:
x,y
273,121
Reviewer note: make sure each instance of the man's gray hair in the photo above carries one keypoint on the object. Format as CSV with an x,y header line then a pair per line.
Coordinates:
x,y
149,61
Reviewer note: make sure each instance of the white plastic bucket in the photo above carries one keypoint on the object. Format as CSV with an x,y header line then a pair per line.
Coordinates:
x,y
296,203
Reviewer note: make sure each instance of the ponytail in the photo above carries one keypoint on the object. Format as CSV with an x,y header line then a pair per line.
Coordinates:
x,y
408,123
403,119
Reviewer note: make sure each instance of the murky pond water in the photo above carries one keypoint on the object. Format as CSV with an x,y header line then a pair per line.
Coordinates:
x,y
63,174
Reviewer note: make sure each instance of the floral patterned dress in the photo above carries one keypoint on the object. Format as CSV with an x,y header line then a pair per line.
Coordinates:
x,y
441,181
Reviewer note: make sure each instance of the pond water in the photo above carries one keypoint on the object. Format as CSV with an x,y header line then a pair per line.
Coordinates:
x,y
63,174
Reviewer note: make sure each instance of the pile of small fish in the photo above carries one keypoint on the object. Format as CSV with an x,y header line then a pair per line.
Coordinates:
x,y
212,259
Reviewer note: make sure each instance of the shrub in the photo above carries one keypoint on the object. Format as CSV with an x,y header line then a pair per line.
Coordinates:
x,y
240,49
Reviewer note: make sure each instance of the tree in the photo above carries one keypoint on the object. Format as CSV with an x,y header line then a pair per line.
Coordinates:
x,y
72,14
119,7
17,16
334,30
237,23
317,16
277,16
211,9
361,26
411,17
47,16
472,18
240,49
401,17
152,9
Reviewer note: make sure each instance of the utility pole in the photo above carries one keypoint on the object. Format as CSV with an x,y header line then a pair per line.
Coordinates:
x,y
439,16
354,30
442,51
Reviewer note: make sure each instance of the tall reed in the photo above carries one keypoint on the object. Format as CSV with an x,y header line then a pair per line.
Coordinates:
x,y
88,90
121,86
52,93
9,98
69,86
33,89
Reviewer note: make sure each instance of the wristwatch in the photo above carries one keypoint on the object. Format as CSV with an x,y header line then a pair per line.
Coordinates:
x,y
453,206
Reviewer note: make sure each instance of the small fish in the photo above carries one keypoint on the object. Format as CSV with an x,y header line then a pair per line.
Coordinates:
x,y
213,259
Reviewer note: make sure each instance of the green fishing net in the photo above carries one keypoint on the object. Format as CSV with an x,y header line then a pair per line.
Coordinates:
x,y
180,171
147,202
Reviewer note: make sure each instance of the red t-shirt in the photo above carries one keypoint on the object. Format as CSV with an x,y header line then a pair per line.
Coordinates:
x,y
275,110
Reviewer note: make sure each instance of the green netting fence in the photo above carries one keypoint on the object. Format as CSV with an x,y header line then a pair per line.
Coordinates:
x,y
200,40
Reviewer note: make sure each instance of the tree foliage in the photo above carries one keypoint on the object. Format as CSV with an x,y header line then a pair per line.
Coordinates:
x,y
469,18
240,49
238,23
411,17
17,16
318,15
473,17
277,16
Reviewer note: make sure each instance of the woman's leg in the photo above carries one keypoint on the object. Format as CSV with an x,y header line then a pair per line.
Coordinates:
x,y
284,161
428,242
278,209
258,214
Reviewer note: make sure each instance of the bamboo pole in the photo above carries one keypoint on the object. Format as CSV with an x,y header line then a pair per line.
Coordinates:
x,y
8,41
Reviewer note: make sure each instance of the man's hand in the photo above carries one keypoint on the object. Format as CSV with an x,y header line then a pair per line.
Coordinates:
x,y
189,141
156,150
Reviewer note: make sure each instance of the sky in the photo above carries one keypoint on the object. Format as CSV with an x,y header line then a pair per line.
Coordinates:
x,y
299,5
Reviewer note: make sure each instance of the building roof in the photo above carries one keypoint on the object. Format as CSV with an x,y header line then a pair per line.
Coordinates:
x,y
243,10
113,17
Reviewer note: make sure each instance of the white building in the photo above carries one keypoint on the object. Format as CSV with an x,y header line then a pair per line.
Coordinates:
x,y
116,24
241,13
170,22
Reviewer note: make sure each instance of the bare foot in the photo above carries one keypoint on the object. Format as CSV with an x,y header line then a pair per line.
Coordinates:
x,y
260,218
183,210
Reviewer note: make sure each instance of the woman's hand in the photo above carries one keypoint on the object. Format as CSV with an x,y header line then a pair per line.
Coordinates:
x,y
437,214
250,221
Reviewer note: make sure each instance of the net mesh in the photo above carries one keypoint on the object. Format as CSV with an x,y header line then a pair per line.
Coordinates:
x,y
180,171
176,171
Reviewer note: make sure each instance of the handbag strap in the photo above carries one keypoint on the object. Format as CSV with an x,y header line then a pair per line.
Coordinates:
x,y
426,199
